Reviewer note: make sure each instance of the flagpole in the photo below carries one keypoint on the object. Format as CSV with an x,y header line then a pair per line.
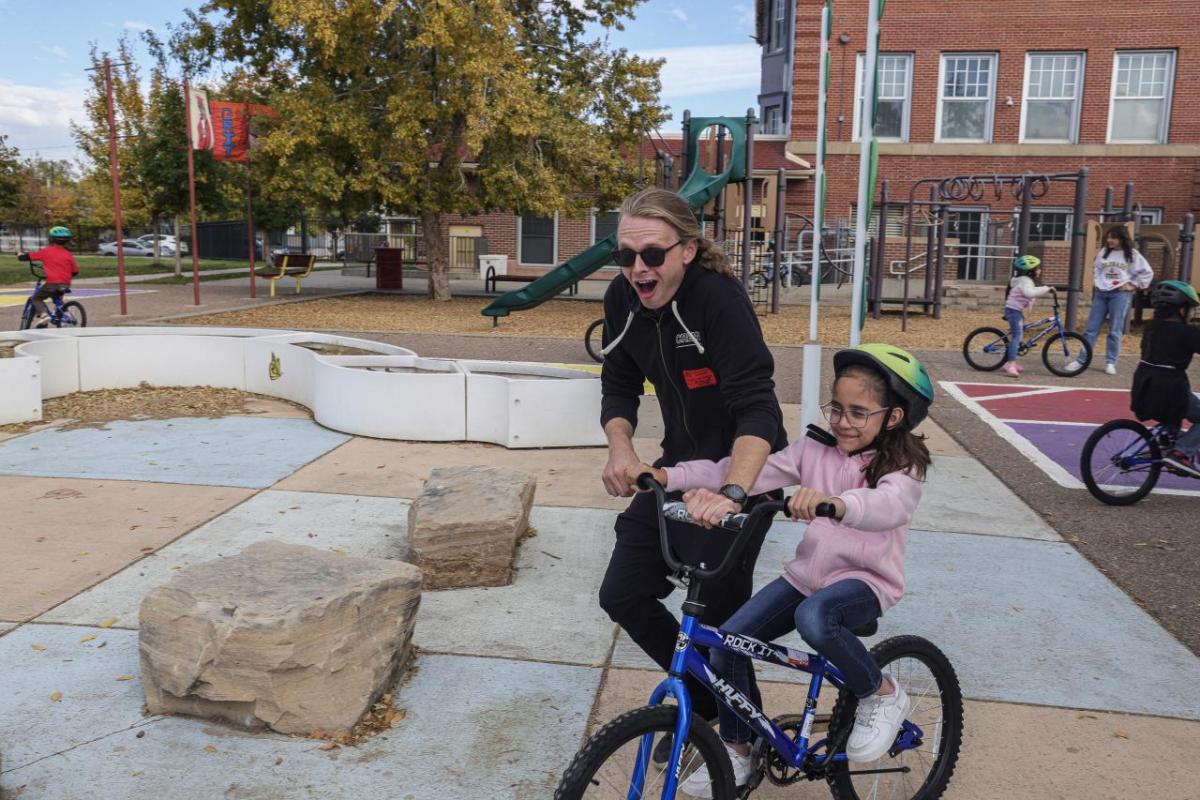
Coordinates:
x,y
187,102
866,188
115,170
249,204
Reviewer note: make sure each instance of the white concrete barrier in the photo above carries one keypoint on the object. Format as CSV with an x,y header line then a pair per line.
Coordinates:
x,y
384,390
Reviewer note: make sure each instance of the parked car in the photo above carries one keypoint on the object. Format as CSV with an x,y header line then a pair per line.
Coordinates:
x,y
133,247
164,241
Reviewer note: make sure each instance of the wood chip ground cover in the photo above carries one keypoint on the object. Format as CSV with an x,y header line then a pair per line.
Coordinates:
x,y
568,319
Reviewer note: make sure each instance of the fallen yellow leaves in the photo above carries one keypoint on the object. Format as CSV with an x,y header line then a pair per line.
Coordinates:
x,y
124,677
87,638
210,749
56,697
108,623
379,718
38,647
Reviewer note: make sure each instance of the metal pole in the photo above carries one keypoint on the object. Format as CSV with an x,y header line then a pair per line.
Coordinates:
x,y
719,200
187,102
115,171
865,189
1023,223
747,198
686,153
1078,243
1186,237
1107,211
880,246
1127,207
941,263
250,228
929,235
780,199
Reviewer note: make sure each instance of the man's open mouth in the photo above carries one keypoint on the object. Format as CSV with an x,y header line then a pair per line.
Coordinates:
x,y
645,288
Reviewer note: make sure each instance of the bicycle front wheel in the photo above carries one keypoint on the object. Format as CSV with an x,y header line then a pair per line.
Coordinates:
x,y
1120,462
920,773
73,316
593,340
604,768
986,349
1066,350
27,317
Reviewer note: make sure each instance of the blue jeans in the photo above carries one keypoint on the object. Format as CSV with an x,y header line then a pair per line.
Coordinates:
x,y
1016,331
1189,442
824,620
1115,307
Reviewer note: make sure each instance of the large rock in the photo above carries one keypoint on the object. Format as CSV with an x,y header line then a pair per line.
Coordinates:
x,y
283,636
464,528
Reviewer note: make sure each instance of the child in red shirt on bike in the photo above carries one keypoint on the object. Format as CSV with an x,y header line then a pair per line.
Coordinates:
x,y
60,268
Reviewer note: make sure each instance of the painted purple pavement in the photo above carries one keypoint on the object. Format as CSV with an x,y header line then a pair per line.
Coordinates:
x,y
1063,444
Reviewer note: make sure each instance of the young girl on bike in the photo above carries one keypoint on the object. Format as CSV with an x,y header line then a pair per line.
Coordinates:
x,y
60,268
846,571
1024,287
1161,389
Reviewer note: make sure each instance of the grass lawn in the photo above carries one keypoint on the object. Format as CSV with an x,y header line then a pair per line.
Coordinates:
x,y
94,266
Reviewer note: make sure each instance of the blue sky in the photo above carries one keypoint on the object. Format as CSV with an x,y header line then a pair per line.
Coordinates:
x,y
711,63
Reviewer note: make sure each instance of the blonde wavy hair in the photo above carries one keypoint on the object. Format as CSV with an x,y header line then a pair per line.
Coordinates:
x,y
655,203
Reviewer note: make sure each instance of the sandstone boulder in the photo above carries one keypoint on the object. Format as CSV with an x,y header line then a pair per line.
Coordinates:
x,y
282,636
464,528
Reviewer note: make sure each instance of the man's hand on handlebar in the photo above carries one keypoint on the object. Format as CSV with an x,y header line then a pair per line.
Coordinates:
x,y
708,508
803,504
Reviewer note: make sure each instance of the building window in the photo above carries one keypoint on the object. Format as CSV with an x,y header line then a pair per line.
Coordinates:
x,y
966,90
1150,216
1047,226
1140,109
1053,86
604,223
895,91
537,239
777,25
772,120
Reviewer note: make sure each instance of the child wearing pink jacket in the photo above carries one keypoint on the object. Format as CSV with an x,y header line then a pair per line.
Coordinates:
x,y
846,571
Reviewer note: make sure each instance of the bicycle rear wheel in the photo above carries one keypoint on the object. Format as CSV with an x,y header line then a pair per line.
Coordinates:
x,y
986,349
932,685
73,316
1120,462
604,768
593,340
1065,349
27,316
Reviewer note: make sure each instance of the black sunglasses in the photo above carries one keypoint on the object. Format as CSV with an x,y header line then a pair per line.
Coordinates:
x,y
651,256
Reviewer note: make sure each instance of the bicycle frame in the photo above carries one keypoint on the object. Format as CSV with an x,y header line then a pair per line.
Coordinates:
x,y
687,660
1129,463
58,314
1050,323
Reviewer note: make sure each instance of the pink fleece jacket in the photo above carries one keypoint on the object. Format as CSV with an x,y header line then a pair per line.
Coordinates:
x,y
867,544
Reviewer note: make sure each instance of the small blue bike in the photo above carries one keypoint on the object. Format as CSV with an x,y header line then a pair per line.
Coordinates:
x,y
1065,353
63,315
615,762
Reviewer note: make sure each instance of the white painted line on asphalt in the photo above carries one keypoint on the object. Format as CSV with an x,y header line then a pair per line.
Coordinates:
x,y
1030,393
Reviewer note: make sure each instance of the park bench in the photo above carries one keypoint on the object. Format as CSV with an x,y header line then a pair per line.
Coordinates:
x,y
490,278
289,265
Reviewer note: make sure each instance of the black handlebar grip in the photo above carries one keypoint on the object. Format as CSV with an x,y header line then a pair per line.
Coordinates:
x,y
826,510
646,481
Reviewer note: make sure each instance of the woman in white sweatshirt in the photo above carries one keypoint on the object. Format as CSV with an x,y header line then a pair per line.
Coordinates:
x,y
1118,272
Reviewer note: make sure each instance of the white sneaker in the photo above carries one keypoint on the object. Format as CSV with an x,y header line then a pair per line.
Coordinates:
x,y
698,784
41,319
876,724
1074,366
1110,369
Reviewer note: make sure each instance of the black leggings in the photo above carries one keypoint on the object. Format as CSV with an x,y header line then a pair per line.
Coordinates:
x,y
636,582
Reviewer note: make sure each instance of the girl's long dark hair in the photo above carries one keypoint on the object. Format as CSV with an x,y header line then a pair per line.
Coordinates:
x,y
897,449
1122,234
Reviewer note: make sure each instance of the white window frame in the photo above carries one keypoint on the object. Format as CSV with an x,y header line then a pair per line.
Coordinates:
x,y
860,92
520,248
776,32
1164,126
941,98
595,213
781,128
1080,70
1067,210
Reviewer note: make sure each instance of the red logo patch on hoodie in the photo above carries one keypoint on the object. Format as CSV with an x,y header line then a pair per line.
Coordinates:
x,y
699,378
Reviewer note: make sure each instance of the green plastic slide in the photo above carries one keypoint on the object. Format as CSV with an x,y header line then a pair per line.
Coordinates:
x,y
698,190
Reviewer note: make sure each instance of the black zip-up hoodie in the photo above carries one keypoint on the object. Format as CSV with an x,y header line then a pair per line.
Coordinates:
x,y
714,379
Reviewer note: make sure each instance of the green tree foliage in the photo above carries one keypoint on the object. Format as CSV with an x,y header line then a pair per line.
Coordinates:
x,y
10,174
435,107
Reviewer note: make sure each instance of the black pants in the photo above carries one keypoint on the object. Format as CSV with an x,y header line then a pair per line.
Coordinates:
x,y
636,582
43,294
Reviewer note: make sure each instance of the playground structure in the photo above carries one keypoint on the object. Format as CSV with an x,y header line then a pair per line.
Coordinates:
x,y
370,389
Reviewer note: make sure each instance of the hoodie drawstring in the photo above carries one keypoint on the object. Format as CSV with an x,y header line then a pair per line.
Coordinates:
x,y
692,336
612,345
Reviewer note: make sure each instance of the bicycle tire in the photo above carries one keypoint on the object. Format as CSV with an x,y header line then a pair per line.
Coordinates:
x,y
1096,487
626,729
972,350
1084,348
948,734
77,313
26,316
592,349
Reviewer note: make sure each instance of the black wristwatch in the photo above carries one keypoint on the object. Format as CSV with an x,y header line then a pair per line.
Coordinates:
x,y
735,493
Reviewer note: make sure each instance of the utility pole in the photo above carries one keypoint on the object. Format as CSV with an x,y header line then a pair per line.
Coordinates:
x,y
115,170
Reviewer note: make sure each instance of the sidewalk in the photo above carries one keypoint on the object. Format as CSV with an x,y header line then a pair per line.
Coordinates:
x,y
1067,682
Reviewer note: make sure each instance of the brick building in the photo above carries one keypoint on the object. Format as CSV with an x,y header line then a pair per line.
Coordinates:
x,y
981,87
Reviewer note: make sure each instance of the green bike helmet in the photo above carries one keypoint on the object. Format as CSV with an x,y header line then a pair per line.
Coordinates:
x,y
60,234
906,376
1026,263
1174,293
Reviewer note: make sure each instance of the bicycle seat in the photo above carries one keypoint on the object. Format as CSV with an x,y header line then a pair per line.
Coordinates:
x,y
870,629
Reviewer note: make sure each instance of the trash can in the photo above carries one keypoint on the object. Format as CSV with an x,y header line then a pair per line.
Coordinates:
x,y
389,268
496,262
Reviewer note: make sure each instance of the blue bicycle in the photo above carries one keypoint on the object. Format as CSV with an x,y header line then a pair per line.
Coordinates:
x,y
615,762
1123,459
64,315
1065,353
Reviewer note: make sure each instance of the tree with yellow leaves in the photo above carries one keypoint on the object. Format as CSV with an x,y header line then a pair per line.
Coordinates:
x,y
435,107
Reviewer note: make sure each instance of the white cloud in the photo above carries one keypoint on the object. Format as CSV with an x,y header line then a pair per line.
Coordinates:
x,y
745,15
56,50
33,117
137,25
691,71
679,14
